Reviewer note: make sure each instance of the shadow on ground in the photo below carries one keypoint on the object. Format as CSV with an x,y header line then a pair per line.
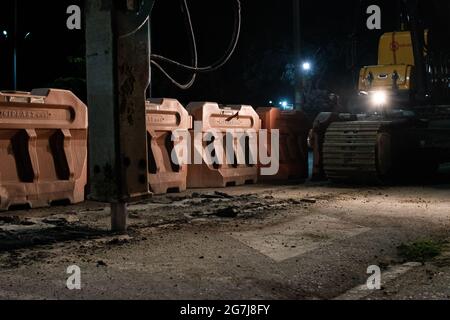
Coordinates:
x,y
18,234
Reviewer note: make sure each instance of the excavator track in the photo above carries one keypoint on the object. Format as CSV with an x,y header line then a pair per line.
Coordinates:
x,y
351,151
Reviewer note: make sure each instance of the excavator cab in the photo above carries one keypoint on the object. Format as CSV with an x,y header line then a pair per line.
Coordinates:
x,y
391,82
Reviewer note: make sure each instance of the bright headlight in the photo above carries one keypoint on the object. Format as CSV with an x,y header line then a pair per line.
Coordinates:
x,y
379,98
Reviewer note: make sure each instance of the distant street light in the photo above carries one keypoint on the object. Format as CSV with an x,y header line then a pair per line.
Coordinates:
x,y
306,66
285,105
5,33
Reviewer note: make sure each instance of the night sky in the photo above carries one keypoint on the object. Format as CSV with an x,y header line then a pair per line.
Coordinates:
x,y
54,56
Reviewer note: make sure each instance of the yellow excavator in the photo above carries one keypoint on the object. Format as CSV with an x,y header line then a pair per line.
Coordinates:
x,y
404,129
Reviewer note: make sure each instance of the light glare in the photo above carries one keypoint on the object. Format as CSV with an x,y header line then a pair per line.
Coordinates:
x,y
379,98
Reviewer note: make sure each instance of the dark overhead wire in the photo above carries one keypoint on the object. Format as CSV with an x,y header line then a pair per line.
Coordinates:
x,y
222,61
188,84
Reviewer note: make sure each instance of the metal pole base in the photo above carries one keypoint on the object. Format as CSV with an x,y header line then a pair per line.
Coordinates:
x,y
119,215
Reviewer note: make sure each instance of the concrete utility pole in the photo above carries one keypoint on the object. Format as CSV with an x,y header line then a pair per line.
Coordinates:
x,y
118,75
297,51
15,43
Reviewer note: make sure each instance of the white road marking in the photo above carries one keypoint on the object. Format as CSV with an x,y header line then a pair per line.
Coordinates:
x,y
294,238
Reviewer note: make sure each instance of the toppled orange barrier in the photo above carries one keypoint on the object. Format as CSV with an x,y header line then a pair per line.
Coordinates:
x,y
43,148
230,123
293,129
164,117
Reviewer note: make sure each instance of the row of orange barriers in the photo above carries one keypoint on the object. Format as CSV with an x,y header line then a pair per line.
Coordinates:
x,y
43,146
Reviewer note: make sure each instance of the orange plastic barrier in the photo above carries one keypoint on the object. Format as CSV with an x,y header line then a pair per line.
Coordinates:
x,y
43,148
225,120
164,116
293,127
